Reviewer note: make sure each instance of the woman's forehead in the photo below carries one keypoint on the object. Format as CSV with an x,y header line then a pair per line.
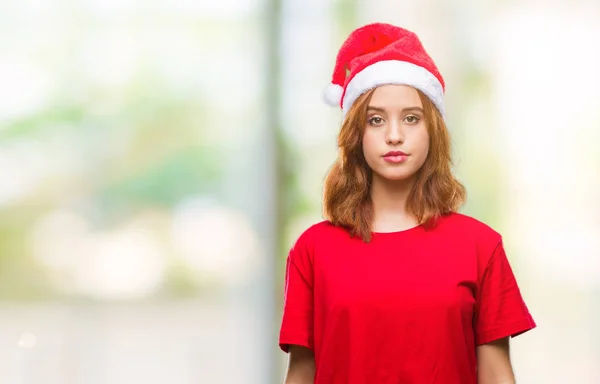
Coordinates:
x,y
395,97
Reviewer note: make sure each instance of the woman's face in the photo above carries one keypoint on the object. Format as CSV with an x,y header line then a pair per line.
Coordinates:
x,y
395,140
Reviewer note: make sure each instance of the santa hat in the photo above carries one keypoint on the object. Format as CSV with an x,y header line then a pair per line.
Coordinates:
x,y
378,54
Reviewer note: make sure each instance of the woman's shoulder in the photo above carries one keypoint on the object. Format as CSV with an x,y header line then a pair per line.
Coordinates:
x,y
316,232
322,236
460,224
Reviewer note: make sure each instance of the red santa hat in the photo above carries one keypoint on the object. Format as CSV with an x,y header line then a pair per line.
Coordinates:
x,y
378,54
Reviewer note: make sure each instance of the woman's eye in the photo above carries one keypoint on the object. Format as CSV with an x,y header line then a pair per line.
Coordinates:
x,y
375,120
412,119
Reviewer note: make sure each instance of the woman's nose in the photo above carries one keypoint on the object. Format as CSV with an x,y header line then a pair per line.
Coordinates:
x,y
394,134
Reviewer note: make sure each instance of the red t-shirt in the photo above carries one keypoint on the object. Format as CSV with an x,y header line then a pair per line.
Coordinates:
x,y
409,307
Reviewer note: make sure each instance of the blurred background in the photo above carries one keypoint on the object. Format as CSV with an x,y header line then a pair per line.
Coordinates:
x,y
158,158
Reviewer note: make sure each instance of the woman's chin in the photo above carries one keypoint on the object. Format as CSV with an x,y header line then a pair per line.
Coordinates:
x,y
393,176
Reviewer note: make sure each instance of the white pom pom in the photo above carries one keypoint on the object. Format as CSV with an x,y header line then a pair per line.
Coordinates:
x,y
333,95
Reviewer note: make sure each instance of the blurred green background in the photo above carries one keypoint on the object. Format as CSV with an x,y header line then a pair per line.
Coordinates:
x,y
157,160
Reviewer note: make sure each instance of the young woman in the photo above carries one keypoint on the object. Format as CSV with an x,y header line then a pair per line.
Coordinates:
x,y
396,287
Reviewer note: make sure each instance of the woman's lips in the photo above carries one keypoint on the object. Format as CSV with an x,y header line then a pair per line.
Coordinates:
x,y
395,157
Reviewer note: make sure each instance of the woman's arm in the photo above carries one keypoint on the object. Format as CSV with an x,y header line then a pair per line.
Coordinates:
x,y
301,366
493,363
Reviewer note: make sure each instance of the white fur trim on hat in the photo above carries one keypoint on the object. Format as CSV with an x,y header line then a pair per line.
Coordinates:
x,y
333,95
394,72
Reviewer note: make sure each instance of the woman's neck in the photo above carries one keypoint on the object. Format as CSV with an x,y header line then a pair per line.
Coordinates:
x,y
389,205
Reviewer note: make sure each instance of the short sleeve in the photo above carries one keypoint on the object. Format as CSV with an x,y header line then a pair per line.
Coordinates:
x,y
297,321
500,310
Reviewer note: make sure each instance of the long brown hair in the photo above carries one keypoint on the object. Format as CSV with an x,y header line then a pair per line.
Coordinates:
x,y
347,200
